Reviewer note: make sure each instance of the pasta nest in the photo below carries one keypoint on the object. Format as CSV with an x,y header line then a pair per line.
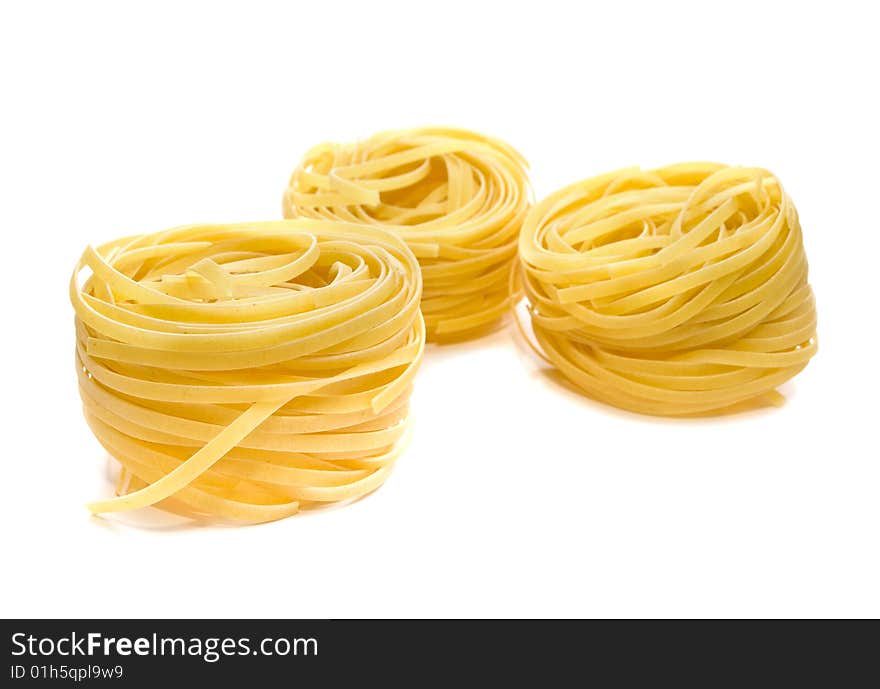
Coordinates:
x,y
677,291
457,198
245,371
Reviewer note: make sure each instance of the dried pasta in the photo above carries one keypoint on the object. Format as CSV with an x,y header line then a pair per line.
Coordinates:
x,y
244,371
456,197
677,291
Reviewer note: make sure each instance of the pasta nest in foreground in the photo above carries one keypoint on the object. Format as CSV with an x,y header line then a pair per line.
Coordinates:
x,y
244,371
677,291
457,198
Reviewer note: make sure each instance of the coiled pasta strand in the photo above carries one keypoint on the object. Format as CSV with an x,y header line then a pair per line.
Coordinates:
x,y
677,291
458,199
244,371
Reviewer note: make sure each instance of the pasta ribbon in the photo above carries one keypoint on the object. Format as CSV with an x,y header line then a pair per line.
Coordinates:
x,y
456,197
245,371
677,291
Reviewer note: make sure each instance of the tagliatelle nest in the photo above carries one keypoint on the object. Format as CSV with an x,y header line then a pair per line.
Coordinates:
x,y
675,291
244,371
457,198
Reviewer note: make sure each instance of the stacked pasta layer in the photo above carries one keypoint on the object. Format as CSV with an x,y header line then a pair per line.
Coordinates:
x,y
677,291
244,371
457,198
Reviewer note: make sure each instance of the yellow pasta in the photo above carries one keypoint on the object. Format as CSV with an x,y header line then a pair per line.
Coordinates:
x,y
456,197
678,291
245,371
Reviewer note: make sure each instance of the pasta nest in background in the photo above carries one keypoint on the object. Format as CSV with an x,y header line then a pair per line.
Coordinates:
x,y
457,198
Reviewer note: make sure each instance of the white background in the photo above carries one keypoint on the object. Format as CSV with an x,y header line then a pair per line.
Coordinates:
x,y
516,496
